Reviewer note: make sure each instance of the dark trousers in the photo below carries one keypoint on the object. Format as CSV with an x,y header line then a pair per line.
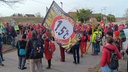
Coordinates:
x,y
49,63
95,45
76,55
22,61
98,46
8,39
4,40
13,42
62,54
1,54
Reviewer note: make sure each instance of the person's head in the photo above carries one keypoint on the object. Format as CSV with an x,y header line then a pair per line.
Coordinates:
x,y
24,36
34,34
99,29
109,40
31,28
44,36
109,34
116,34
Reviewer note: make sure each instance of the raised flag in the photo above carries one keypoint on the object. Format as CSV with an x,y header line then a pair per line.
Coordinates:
x,y
60,23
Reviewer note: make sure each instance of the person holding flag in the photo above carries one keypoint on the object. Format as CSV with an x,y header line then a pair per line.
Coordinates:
x,y
49,48
83,43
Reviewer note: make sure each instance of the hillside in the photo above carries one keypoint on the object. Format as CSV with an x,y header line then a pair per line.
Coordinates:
x,y
22,19
29,20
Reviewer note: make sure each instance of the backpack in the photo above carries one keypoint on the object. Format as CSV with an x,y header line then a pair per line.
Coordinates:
x,y
98,37
85,35
37,50
113,64
117,43
21,50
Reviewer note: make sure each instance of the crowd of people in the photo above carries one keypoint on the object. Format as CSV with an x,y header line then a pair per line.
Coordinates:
x,y
37,40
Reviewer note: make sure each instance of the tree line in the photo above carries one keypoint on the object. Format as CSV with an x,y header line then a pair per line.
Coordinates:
x,y
84,15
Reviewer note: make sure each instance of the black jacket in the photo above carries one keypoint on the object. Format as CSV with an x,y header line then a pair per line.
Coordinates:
x,y
29,48
13,32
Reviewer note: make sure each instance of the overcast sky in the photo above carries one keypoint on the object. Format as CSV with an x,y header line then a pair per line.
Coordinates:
x,y
116,7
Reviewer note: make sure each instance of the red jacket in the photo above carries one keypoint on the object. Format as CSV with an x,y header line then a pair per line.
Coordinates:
x,y
83,44
29,34
48,54
106,54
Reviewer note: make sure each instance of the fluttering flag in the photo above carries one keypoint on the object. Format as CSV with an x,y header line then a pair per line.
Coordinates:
x,y
59,23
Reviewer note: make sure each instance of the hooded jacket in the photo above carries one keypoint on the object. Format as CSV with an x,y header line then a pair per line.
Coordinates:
x,y
106,54
94,35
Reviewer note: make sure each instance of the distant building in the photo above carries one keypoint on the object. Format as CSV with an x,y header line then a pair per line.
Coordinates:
x,y
71,13
29,15
17,15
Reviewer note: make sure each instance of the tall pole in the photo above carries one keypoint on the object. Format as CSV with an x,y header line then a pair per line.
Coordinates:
x,y
61,4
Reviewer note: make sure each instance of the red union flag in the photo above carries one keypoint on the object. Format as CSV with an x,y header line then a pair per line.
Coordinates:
x,y
60,23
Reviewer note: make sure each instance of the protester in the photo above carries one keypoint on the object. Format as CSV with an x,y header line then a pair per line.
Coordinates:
x,y
62,52
106,55
83,43
21,46
75,50
30,33
49,48
34,53
109,34
13,34
1,47
109,29
117,40
96,38
1,64
1,59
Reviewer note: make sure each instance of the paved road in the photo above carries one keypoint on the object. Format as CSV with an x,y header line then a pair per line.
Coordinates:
x,y
87,62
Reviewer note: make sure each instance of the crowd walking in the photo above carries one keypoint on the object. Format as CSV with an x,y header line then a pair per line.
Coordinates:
x,y
37,43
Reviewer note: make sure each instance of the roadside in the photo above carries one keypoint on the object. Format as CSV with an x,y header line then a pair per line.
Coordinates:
x,y
8,48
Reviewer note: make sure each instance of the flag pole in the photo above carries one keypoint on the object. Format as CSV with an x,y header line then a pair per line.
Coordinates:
x,y
61,4
47,13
